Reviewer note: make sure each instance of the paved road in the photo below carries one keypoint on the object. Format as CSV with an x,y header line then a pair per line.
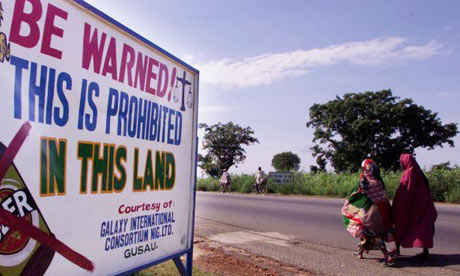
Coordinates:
x,y
311,222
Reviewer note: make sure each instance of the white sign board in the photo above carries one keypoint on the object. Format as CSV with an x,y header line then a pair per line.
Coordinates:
x,y
281,178
98,143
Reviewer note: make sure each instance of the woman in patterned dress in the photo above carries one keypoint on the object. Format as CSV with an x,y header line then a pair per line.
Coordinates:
x,y
367,213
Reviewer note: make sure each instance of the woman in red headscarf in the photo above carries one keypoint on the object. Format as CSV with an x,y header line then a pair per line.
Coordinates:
x,y
413,209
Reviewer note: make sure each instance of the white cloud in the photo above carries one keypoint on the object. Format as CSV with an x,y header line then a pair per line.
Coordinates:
x,y
267,68
448,94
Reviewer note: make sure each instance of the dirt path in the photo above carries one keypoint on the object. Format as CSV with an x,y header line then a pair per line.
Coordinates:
x,y
215,258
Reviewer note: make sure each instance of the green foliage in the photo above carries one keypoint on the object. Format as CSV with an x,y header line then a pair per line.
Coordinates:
x,y
442,166
207,164
208,184
376,125
454,196
242,183
223,145
286,162
444,184
314,169
166,269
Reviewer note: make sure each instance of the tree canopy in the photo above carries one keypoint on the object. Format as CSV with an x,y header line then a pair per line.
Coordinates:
x,y
376,125
286,161
223,144
443,166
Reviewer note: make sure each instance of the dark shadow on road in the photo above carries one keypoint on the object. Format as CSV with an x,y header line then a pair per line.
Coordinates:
x,y
434,260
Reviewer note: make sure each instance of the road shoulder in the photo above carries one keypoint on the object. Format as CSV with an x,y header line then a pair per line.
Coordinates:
x,y
269,250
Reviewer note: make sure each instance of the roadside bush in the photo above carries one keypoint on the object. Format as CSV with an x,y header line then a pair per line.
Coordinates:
x,y
444,184
239,183
454,196
208,184
242,183
391,180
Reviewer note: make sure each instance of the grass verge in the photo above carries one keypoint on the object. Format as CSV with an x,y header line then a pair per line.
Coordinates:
x,y
444,184
167,269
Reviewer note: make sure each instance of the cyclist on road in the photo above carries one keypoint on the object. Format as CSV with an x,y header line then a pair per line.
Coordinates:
x,y
225,182
260,179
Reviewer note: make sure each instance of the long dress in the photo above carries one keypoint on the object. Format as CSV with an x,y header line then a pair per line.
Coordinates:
x,y
366,213
414,212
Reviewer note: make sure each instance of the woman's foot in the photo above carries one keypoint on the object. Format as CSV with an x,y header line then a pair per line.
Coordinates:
x,y
389,261
424,254
360,253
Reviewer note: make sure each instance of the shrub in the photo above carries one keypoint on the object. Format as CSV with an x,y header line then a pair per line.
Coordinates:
x,y
454,196
242,183
207,184
444,184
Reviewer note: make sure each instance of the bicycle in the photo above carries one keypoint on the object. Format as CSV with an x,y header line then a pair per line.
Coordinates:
x,y
225,187
262,188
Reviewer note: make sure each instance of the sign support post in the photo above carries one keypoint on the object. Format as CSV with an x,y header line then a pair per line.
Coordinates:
x,y
180,267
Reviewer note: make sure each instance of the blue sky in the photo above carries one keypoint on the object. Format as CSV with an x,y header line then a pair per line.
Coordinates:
x,y
264,63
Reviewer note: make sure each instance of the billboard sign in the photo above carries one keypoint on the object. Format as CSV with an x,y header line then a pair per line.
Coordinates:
x,y
98,143
281,178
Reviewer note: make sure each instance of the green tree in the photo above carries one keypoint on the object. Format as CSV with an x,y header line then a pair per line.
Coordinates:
x,y
314,169
376,125
223,144
208,164
443,166
286,161
321,163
